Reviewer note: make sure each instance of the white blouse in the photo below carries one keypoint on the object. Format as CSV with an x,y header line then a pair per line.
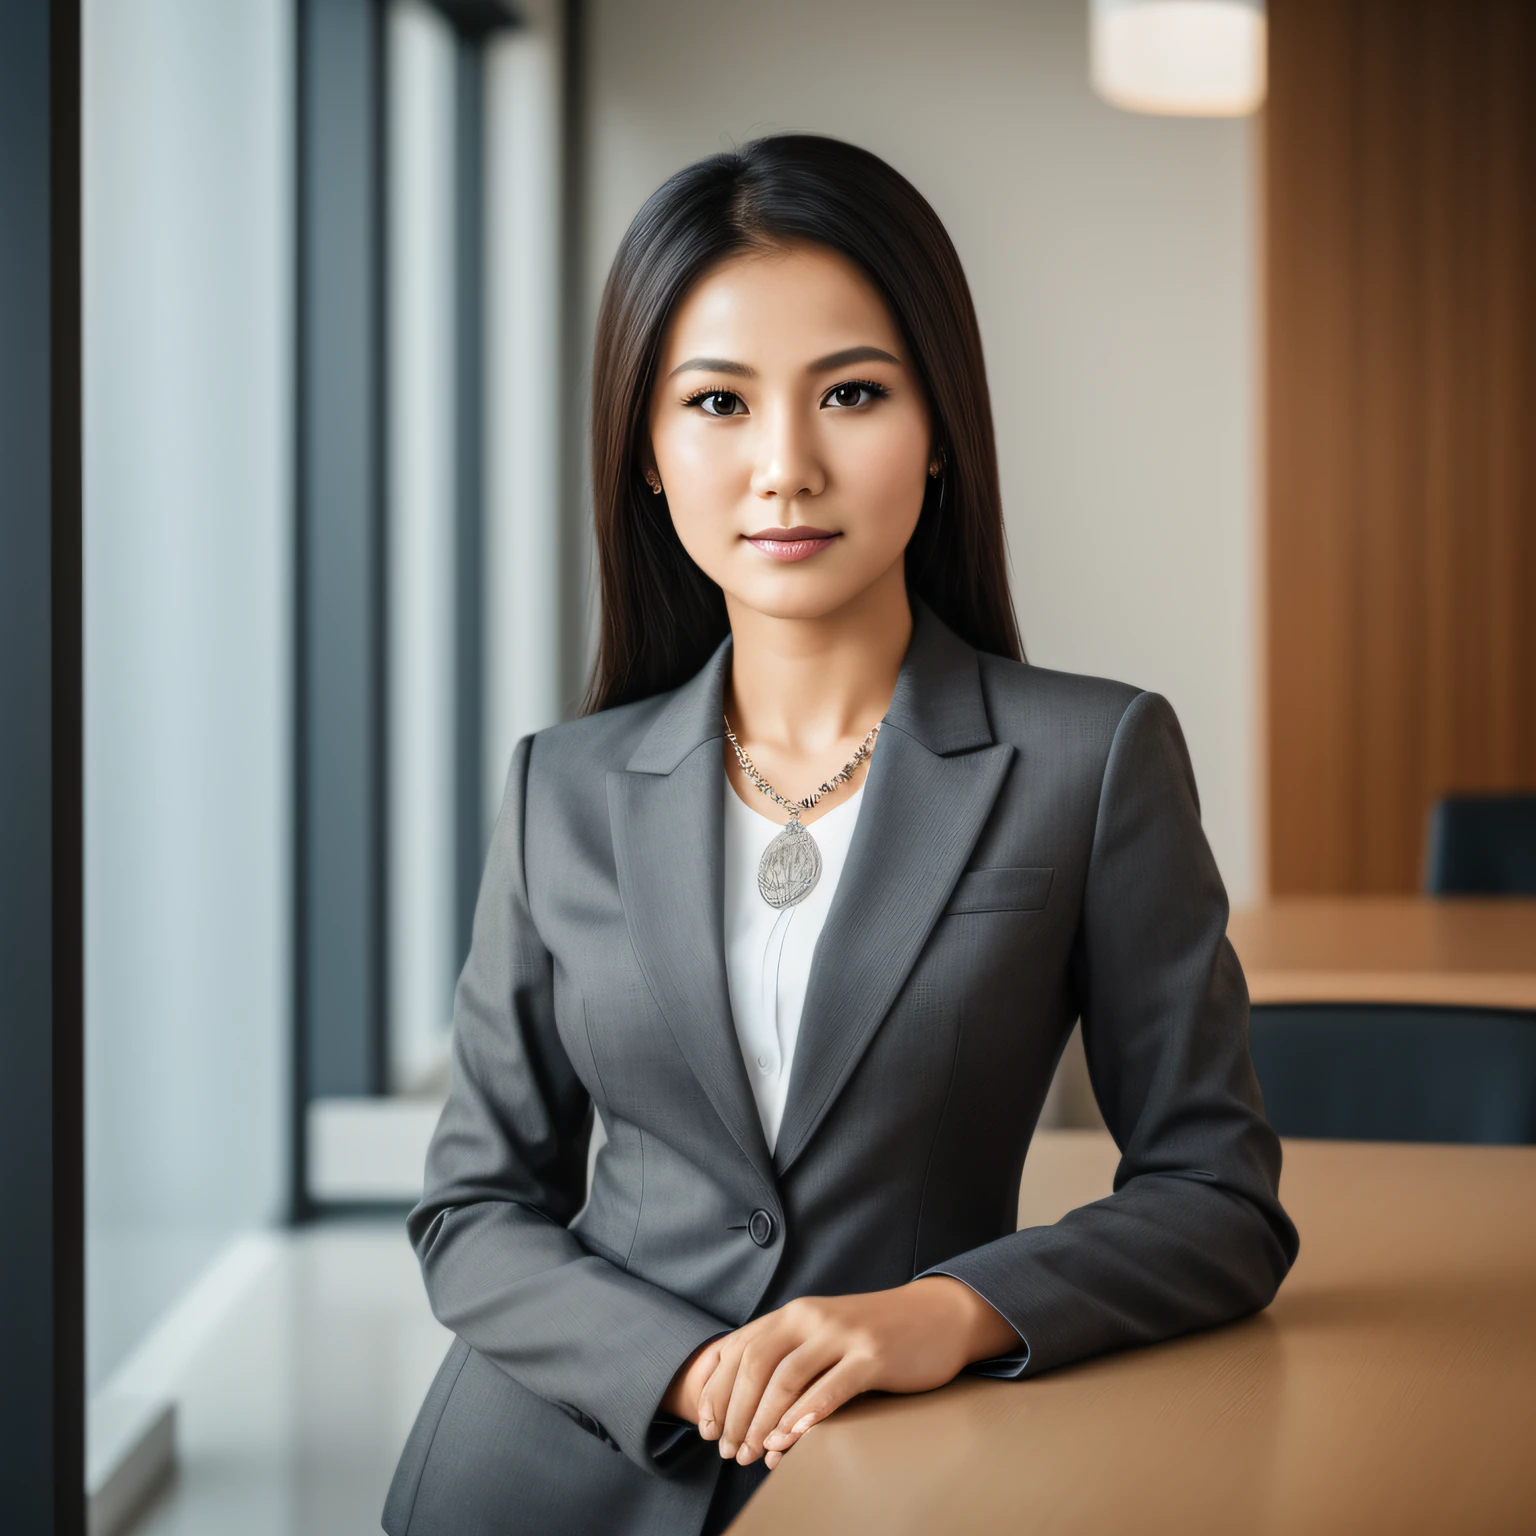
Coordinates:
x,y
768,953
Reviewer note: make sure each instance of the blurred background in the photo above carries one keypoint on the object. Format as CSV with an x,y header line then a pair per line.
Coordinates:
x,y
1260,328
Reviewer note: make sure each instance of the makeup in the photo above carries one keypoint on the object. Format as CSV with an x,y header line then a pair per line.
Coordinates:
x,y
788,544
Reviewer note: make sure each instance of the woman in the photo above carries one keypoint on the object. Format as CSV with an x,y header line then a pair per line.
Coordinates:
x,y
805,907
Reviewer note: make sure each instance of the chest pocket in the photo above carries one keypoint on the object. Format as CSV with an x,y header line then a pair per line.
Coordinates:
x,y
1016,889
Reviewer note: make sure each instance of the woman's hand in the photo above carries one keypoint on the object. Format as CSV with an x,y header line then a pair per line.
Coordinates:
x,y
682,1399
778,1375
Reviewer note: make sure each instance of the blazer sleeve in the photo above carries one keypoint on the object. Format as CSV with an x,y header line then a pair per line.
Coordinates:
x,y
505,1174
1194,1233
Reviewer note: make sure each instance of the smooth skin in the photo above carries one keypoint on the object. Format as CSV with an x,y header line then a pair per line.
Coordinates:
x,y
784,400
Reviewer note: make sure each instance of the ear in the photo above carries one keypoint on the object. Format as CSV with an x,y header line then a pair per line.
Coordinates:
x,y
648,470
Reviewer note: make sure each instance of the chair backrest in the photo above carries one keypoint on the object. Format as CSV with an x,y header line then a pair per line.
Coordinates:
x,y
1397,1073
1482,845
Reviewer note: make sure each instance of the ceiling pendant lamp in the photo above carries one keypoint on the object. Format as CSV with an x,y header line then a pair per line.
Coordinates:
x,y
1183,58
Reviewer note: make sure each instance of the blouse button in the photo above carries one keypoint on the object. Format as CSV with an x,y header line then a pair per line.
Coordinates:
x,y
762,1063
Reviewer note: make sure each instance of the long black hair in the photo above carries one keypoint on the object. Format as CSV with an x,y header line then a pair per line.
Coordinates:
x,y
661,615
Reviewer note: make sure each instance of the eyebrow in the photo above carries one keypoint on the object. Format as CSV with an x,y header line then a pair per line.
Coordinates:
x,y
853,355
821,365
713,365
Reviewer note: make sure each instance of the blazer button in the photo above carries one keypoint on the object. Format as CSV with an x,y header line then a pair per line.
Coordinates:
x,y
760,1228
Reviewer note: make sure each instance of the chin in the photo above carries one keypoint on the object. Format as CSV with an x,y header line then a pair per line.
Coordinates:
x,y
799,594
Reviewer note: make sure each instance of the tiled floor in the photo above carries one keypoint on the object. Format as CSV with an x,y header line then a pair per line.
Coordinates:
x,y
293,1412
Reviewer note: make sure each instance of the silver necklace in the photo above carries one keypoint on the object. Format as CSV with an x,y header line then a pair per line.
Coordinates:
x,y
791,864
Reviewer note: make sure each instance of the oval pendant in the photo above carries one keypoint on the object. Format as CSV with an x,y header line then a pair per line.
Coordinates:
x,y
789,868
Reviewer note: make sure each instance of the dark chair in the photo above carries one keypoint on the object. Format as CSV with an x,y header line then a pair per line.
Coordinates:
x,y
1384,1072
1482,845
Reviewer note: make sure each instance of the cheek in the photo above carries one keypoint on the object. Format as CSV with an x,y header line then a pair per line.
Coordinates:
x,y
706,474
694,453
700,497
881,478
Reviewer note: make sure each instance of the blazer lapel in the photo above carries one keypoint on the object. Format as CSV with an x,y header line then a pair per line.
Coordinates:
x,y
933,779
668,838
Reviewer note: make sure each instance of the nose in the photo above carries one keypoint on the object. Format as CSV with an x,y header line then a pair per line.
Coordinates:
x,y
787,465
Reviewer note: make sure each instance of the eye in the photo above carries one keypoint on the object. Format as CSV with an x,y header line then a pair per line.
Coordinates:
x,y
718,402
854,393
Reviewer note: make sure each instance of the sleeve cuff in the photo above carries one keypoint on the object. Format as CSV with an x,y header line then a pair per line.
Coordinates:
x,y
666,1437
1002,1367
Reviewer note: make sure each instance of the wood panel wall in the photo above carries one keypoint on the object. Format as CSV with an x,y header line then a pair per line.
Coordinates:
x,y
1400,282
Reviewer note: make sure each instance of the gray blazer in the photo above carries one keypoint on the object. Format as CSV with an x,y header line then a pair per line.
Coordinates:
x,y
1029,851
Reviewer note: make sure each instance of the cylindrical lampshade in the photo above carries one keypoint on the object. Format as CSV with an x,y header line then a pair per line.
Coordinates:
x,y
1188,58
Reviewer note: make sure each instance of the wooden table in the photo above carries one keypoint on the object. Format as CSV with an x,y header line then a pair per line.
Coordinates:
x,y
1390,949
1390,1388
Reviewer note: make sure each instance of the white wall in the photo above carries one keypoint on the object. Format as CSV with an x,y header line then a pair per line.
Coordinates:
x,y
1112,260
188,318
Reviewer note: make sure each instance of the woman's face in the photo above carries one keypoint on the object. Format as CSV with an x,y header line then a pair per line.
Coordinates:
x,y
789,431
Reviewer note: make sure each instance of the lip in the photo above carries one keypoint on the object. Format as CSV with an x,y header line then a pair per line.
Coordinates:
x,y
789,544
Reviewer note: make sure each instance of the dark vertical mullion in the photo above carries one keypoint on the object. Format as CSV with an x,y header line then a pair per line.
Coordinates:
x,y
42,1322
575,350
67,596
475,22
469,446
299,1076
376,1047
340,806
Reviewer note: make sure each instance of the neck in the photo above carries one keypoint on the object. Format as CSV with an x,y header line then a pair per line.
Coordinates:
x,y
802,683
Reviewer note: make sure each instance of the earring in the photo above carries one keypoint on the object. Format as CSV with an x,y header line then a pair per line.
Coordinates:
x,y
653,480
936,465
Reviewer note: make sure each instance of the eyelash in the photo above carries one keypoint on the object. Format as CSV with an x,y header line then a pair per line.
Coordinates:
x,y
879,391
700,395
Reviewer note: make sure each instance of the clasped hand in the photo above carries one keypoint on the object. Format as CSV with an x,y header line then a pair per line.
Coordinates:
x,y
758,1389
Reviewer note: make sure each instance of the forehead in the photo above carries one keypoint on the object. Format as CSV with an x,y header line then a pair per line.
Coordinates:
x,y
782,304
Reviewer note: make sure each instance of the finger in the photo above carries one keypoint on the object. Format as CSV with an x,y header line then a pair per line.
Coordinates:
x,y
715,1398
772,1459
708,1359
759,1360
790,1380
716,1391
824,1396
